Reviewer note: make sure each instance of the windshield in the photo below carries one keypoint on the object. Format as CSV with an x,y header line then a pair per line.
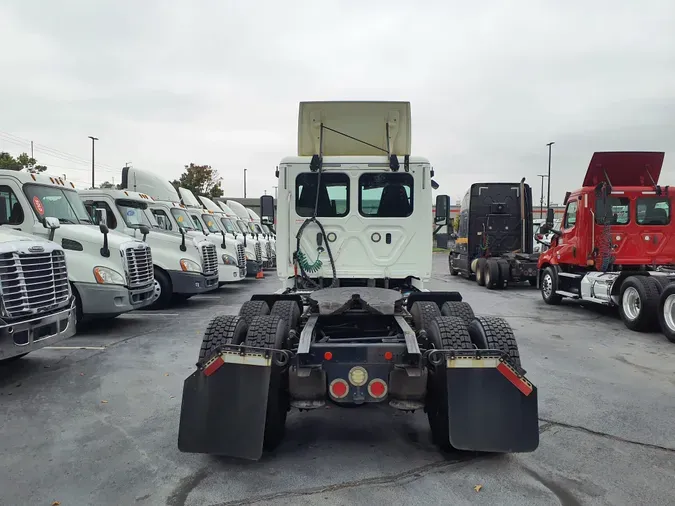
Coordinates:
x,y
256,228
266,229
181,216
243,227
136,213
211,223
229,226
55,202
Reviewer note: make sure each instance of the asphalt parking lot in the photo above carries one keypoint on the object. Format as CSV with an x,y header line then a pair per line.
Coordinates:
x,y
98,426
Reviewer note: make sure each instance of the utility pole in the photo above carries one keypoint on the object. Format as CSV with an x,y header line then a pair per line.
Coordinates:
x,y
541,200
548,193
93,141
245,182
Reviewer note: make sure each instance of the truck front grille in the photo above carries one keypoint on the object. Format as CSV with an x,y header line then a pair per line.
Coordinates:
x,y
258,252
241,256
139,264
268,248
209,259
33,283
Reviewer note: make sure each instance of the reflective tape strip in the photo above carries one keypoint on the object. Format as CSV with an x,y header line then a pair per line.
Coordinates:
x,y
213,365
235,358
520,383
471,362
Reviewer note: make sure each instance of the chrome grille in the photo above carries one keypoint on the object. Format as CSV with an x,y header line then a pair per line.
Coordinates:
x,y
258,252
268,248
241,256
139,265
209,259
33,283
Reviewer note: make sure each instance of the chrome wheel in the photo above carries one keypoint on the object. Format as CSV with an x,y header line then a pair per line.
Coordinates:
x,y
547,286
669,312
631,303
158,291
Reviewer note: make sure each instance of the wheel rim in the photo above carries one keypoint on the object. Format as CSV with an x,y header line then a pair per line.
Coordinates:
x,y
487,275
158,291
669,312
479,273
547,285
631,303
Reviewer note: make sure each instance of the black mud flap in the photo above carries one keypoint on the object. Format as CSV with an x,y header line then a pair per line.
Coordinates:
x,y
491,409
224,407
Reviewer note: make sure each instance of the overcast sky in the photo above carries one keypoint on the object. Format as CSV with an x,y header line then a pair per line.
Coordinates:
x,y
165,83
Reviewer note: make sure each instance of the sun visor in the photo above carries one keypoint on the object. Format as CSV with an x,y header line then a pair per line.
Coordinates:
x,y
365,121
625,168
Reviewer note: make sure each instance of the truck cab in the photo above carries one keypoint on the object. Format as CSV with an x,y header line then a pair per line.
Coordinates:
x,y
110,273
36,303
260,230
129,212
231,254
243,220
615,245
172,216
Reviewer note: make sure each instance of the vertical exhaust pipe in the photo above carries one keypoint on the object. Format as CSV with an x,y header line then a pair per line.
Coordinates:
x,y
522,216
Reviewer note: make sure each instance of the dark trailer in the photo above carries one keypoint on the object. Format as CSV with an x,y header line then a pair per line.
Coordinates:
x,y
494,241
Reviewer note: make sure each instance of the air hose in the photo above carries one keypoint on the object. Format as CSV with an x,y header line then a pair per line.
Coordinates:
x,y
303,261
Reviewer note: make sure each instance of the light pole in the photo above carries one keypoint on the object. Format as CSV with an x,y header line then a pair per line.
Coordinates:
x,y
548,193
541,200
245,182
93,141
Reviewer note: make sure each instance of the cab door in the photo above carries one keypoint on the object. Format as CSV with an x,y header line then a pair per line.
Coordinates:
x,y
568,242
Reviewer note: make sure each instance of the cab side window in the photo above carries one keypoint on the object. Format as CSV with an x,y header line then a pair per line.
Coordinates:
x,y
11,212
571,214
110,220
163,219
198,224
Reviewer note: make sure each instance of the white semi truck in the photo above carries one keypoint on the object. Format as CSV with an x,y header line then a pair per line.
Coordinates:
x,y
37,307
171,215
232,253
245,224
177,272
259,228
353,323
110,273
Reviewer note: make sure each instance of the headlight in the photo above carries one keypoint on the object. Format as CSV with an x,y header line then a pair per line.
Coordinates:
x,y
229,259
189,265
104,275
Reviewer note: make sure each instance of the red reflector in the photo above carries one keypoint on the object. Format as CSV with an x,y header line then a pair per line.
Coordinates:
x,y
377,388
213,366
388,355
519,383
339,388
328,355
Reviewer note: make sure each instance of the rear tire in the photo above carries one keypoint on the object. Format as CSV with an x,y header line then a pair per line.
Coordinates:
x,y
270,332
446,332
222,330
289,311
492,274
666,312
252,308
423,313
461,310
453,272
480,271
494,333
639,302
504,272
549,285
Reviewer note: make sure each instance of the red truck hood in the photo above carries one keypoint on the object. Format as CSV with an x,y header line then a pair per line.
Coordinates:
x,y
625,168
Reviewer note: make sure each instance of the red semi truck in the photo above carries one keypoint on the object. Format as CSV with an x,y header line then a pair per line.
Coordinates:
x,y
616,244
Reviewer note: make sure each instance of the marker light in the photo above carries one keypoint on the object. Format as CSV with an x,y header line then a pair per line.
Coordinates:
x,y
358,376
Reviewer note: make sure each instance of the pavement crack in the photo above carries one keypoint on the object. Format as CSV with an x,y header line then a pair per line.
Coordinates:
x,y
603,434
180,494
411,475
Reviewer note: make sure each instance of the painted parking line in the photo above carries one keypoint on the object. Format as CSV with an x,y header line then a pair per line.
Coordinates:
x,y
149,313
97,348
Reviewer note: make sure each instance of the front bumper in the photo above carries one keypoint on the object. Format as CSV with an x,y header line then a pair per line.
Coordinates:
x,y
252,268
36,332
228,274
192,283
112,300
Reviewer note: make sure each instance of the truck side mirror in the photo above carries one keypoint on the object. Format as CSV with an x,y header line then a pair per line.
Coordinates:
x,y
434,185
223,245
183,247
101,217
442,210
105,251
267,208
549,218
145,230
52,224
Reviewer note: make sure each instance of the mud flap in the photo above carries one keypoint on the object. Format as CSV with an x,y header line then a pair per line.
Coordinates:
x,y
491,407
224,407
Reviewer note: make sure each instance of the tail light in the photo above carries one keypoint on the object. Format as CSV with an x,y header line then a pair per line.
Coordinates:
x,y
338,388
377,388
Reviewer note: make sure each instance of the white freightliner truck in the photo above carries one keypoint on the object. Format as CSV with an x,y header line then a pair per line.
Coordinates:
x,y
244,222
177,273
110,273
259,228
37,307
228,219
353,323
231,252
171,215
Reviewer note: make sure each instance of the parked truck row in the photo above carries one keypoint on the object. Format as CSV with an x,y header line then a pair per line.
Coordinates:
x,y
67,256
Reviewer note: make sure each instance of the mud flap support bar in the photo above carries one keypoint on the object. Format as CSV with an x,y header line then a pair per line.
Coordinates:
x,y
411,346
